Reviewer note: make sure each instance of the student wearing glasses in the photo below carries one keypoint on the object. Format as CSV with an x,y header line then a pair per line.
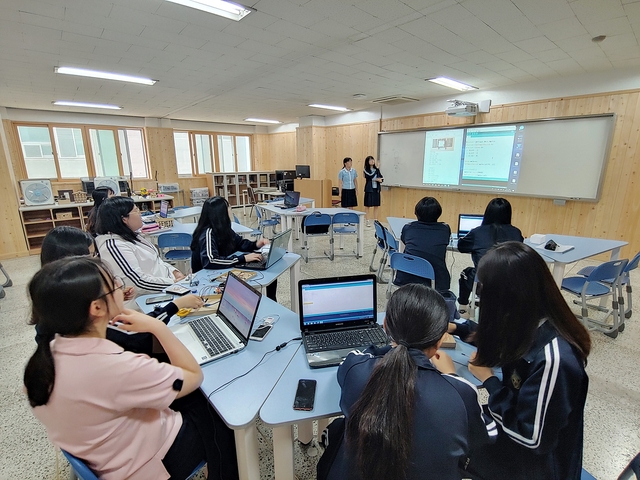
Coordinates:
x,y
124,414
126,252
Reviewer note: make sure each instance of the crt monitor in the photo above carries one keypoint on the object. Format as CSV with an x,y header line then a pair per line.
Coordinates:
x,y
303,171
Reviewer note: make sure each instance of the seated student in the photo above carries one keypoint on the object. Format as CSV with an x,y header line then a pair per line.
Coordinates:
x,y
128,254
407,414
64,241
427,238
109,407
527,329
496,228
216,245
99,195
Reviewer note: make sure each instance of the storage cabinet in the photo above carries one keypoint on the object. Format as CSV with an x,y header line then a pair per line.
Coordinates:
x,y
233,185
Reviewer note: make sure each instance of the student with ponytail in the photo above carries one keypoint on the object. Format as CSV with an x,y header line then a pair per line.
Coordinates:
x,y
408,415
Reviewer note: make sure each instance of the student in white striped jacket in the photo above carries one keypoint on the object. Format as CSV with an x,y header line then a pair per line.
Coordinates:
x,y
129,255
527,329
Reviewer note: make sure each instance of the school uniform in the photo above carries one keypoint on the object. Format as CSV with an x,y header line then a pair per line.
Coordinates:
x,y
348,179
448,420
428,240
539,410
209,255
372,188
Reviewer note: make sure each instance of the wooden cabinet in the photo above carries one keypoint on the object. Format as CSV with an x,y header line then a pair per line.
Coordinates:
x,y
233,185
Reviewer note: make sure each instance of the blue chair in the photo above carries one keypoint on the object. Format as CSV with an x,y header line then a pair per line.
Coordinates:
x,y
264,223
381,244
315,224
80,471
592,288
179,245
344,224
625,280
255,233
411,264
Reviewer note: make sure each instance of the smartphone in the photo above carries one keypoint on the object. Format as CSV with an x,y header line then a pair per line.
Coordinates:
x,y
260,332
177,289
305,395
158,299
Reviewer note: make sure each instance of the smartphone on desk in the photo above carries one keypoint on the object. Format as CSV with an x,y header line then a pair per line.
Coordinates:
x,y
260,332
305,395
158,299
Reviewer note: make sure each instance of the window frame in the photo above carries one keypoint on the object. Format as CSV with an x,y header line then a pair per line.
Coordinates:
x,y
213,144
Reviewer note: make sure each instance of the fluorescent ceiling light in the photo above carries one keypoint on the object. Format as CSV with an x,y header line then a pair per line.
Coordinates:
x,y
66,103
329,107
229,10
447,82
261,120
106,75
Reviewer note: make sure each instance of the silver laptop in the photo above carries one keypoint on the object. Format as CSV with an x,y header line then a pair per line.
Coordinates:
x,y
277,249
338,315
214,336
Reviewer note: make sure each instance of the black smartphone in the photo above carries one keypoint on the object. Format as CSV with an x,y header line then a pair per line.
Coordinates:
x,y
260,332
158,299
551,245
305,395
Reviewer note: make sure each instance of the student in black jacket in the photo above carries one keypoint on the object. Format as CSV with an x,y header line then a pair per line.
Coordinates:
x,y
527,329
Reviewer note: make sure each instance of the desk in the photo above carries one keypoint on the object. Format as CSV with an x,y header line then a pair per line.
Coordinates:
x,y
396,224
190,228
583,248
182,214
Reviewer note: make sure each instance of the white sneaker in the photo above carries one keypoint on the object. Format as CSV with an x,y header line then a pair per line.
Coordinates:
x,y
368,223
464,312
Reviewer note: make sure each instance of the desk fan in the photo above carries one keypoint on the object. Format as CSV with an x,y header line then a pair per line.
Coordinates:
x,y
37,192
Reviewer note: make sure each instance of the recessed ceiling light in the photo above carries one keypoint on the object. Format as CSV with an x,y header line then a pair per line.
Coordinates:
x,y
229,10
106,75
447,82
330,107
66,103
261,120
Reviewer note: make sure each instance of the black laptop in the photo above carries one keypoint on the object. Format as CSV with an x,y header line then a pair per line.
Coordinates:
x,y
277,249
338,315
291,200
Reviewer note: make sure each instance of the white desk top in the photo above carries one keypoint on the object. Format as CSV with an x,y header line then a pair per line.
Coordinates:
x,y
186,212
584,247
396,224
190,228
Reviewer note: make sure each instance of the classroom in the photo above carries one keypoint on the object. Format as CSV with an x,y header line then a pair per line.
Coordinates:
x,y
201,128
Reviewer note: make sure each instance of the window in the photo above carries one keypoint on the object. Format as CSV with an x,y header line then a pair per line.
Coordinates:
x,y
70,152
202,153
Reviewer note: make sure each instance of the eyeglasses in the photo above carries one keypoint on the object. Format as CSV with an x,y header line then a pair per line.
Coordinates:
x,y
118,285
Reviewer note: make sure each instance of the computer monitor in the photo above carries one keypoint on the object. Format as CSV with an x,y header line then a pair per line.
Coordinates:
x,y
303,171
87,185
285,175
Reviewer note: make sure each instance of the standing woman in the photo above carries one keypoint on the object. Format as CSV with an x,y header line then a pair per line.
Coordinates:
x,y
127,253
348,184
373,181
527,329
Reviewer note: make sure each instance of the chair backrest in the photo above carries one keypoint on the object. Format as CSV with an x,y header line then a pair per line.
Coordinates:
x,y
235,219
411,264
258,213
168,240
316,223
82,471
391,241
335,192
346,218
252,196
633,264
607,270
380,237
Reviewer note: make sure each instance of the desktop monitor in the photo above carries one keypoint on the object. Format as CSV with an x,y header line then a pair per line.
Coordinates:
x,y
303,171
285,175
87,186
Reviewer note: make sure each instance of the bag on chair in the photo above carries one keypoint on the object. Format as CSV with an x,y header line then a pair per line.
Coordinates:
x,y
315,229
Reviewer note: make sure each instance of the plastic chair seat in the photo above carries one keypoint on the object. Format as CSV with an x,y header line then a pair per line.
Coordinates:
x,y
176,247
594,289
344,224
411,264
316,219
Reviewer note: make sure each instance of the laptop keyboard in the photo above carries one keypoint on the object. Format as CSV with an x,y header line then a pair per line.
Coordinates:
x,y
212,338
319,342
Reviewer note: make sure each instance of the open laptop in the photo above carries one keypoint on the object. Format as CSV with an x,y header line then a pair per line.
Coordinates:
x,y
291,200
215,336
338,315
277,249
467,222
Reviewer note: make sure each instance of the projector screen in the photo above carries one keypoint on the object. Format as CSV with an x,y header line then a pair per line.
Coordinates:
x,y
560,158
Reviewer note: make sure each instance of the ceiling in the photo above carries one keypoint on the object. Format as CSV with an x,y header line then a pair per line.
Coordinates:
x,y
289,53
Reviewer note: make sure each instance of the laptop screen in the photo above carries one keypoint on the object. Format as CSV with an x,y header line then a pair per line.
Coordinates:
x,y
164,208
342,300
291,199
278,247
239,304
467,222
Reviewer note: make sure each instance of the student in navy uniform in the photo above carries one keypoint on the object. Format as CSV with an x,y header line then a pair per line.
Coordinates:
x,y
215,245
427,238
348,184
373,180
496,228
527,329
408,415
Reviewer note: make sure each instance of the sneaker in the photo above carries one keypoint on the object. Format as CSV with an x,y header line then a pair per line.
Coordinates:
x,y
368,223
464,312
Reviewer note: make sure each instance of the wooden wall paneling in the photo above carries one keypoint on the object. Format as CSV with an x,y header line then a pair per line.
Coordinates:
x,y
260,152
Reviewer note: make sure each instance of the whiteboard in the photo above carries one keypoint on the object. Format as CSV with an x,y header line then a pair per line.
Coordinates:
x,y
563,158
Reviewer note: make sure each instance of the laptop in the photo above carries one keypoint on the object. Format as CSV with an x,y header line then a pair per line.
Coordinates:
x,y
277,249
467,222
291,200
215,336
164,209
338,315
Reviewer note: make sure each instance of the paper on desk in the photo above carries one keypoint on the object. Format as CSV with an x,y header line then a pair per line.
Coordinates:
x,y
559,248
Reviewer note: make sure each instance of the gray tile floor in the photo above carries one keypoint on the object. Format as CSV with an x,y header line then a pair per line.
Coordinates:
x,y
612,418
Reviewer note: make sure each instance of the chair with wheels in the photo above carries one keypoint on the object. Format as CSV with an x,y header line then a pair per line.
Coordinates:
x,y
264,223
176,248
344,224
591,288
625,280
315,224
411,264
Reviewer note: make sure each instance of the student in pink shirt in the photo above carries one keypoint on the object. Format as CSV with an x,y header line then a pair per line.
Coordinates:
x,y
110,407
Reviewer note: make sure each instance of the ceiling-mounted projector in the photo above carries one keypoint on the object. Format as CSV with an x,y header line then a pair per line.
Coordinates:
x,y
459,108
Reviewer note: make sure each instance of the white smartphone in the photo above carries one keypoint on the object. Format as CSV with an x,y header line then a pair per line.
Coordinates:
x,y
261,332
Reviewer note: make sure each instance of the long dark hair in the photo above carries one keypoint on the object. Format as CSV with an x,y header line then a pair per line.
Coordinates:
x,y
518,292
497,215
215,215
369,168
110,218
99,195
379,430
64,241
61,294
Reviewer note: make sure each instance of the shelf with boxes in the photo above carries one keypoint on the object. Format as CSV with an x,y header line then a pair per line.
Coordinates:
x,y
233,185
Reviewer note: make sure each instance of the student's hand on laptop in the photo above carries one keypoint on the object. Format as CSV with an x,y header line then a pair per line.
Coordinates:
x,y
262,242
188,301
132,321
178,275
252,257
443,362
129,293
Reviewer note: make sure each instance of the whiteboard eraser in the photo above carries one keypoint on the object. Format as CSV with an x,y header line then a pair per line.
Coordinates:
x,y
537,238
